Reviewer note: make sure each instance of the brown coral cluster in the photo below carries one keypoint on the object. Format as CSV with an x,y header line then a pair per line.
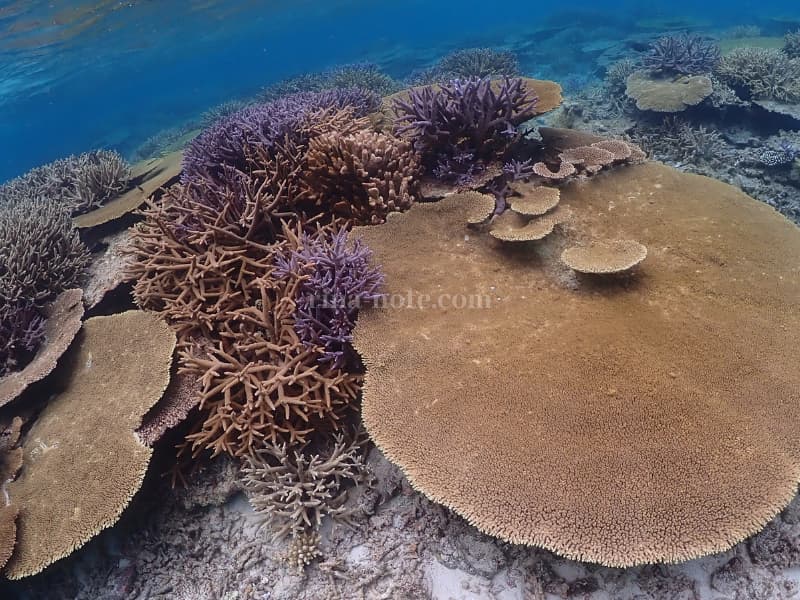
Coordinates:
x,y
363,176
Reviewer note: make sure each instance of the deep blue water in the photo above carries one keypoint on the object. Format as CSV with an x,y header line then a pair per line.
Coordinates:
x,y
78,75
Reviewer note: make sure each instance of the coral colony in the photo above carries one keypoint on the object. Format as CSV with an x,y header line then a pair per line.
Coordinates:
x,y
260,253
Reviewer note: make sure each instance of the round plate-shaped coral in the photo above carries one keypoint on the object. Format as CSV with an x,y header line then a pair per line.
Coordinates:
x,y
600,258
619,422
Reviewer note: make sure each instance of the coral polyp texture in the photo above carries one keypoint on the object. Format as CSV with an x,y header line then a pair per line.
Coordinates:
x,y
604,258
80,183
598,419
685,54
82,460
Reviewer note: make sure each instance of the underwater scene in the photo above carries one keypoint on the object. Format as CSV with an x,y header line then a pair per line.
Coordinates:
x,y
411,300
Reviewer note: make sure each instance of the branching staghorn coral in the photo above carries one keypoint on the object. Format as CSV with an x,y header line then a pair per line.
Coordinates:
x,y
40,252
335,281
295,489
617,76
467,63
766,74
362,176
686,54
465,116
82,183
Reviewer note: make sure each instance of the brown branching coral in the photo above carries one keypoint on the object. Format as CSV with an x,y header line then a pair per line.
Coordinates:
x,y
362,176
262,384
295,489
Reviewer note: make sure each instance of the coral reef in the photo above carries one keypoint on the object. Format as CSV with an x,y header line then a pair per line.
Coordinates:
x,y
469,63
687,54
82,460
617,75
626,373
293,490
764,74
335,279
81,183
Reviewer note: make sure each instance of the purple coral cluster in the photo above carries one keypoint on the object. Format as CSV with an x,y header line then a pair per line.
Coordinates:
x,y
682,54
226,141
337,279
21,333
466,116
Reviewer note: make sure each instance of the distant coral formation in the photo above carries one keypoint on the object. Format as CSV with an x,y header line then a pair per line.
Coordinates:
x,y
469,63
81,183
791,46
365,76
764,74
686,54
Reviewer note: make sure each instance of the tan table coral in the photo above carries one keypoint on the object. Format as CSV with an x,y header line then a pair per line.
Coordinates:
x,y
82,461
623,422
603,257
667,94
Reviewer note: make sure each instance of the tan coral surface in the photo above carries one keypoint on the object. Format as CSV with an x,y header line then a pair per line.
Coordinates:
x,y
651,420
82,461
604,257
665,94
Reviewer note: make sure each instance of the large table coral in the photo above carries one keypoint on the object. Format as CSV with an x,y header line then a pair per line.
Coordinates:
x,y
647,419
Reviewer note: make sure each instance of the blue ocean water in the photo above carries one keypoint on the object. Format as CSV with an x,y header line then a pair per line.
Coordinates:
x,y
81,75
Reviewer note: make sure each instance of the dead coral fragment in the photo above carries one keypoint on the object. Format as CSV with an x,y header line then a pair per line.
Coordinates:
x,y
295,489
83,462
602,258
661,94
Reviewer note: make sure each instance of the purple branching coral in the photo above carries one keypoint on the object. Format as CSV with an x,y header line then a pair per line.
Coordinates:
x,y
466,116
227,141
21,333
685,54
337,279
